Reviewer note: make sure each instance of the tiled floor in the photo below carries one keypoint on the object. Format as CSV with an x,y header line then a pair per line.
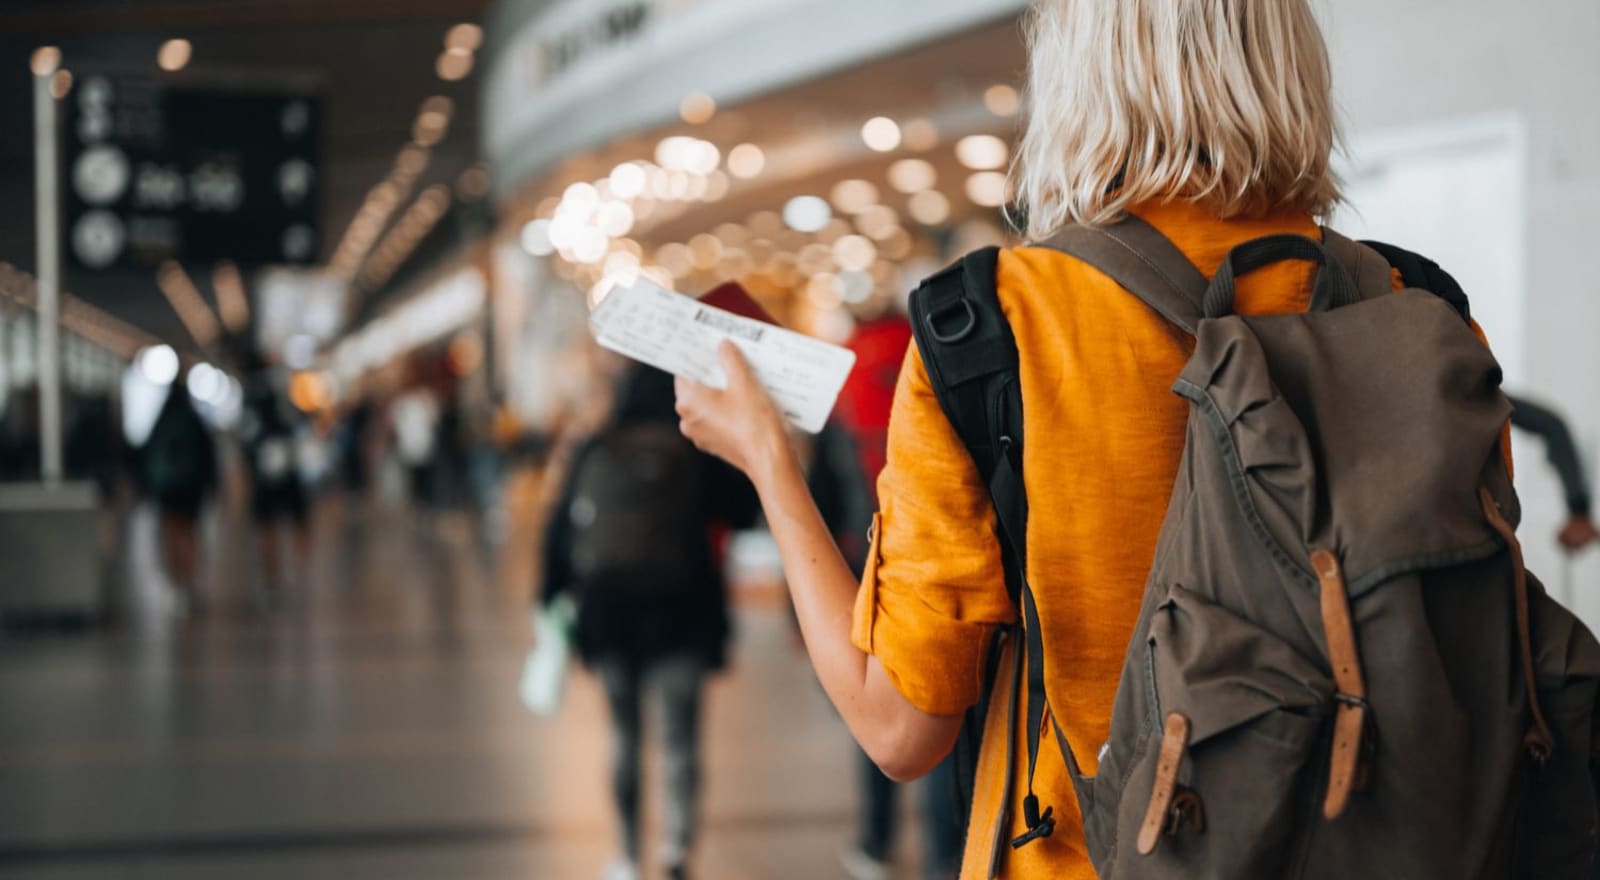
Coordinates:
x,y
370,728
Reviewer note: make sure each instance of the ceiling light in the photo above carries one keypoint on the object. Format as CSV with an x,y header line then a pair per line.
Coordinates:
x,y
1002,100
806,213
159,364
45,60
628,180
746,161
60,83
987,188
174,55
697,108
982,152
704,159
930,207
878,221
853,196
881,134
912,175
536,238
590,245
615,219
453,66
464,37
854,252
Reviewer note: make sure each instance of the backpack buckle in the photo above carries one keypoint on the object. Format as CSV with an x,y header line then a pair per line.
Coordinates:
x,y
1039,825
969,322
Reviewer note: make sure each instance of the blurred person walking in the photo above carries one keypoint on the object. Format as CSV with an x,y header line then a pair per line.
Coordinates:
x,y
1579,530
1164,136
180,471
632,540
848,457
270,431
415,416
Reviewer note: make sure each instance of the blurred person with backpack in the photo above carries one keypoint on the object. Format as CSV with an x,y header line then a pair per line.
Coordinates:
x,y
631,540
848,456
180,471
1231,492
270,432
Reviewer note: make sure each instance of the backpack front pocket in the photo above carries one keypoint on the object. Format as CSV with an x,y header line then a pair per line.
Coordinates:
x,y
1223,787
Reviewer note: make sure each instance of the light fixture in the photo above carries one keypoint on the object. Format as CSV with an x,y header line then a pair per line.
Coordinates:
x,y
930,207
536,238
464,37
453,66
45,60
746,161
806,213
880,133
853,196
987,188
60,83
615,219
697,108
159,364
878,221
912,175
174,55
854,252
1002,100
628,180
982,152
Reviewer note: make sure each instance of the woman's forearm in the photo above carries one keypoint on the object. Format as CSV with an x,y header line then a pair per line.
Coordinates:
x,y
905,741
742,426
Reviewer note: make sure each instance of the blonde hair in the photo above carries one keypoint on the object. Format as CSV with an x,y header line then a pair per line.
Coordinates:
x,y
1221,102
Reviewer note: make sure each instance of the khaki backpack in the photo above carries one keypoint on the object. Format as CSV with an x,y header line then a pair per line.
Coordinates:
x,y
1341,668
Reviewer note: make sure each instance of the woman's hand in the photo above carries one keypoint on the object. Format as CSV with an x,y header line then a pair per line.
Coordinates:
x,y
740,425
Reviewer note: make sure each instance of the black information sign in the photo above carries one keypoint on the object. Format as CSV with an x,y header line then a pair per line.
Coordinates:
x,y
154,171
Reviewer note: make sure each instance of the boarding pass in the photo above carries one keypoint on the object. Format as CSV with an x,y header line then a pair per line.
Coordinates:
x,y
670,331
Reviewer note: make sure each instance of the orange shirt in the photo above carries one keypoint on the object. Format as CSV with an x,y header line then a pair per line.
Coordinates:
x,y
1104,434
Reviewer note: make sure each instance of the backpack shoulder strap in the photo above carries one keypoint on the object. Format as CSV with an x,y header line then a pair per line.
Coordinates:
x,y
1138,257
1424,274
970,354
1367,266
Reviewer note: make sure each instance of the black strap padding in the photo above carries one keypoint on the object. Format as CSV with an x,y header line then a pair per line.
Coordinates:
x,y
1332,289
1424,274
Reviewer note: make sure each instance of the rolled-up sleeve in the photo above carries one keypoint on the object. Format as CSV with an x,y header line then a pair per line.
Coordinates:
x,y
933,592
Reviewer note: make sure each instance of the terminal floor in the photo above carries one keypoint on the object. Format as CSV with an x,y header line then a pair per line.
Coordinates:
x,y
369,727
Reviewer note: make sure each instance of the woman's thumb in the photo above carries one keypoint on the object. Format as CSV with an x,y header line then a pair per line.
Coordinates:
x,y
734,364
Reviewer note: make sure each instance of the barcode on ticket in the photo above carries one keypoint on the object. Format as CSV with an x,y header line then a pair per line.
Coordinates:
x,y
728,324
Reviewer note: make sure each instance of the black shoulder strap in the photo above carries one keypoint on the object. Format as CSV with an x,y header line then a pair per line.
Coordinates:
x,y
1424,274
970,354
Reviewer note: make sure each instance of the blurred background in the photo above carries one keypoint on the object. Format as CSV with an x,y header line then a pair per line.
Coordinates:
x,y
293,354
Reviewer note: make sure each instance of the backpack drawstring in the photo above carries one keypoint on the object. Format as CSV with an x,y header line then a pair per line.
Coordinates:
x,y
1538,741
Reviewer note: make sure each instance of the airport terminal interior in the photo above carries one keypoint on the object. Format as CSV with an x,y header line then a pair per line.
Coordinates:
x,y
296,361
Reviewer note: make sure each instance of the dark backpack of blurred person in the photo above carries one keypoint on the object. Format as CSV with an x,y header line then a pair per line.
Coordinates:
x,y
633,535
179,460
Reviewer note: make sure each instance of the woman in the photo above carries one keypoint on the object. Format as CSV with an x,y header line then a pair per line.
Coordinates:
x,y
180,462
1210,119
632,541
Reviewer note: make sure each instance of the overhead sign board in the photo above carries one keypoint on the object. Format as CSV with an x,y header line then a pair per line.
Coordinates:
x,y
154,171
